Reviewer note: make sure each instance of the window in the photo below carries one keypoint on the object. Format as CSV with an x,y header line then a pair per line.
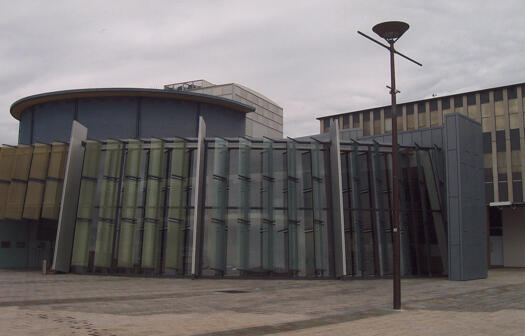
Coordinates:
x,y
514,139
500,141
433,105
326,124
355,116
445,103
458,101
512,92
346,121
484,97
388,112
487,146
410,109
421,107
471,99
377,115
5,244
498,95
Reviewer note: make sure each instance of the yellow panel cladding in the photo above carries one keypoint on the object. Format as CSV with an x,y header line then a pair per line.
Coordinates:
x,y
35,186
7,158
54,182
17,189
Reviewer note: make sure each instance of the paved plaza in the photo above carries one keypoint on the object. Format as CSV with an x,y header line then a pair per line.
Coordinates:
x,y
99,305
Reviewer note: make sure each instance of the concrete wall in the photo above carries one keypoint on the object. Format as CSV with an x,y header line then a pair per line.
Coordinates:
x,y
127,117
513,237
265,121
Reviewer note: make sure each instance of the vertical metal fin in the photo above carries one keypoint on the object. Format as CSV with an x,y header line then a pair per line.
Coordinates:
x,y
129,212
88,187
268,221
217,248
319,225
36,183
108,204
292,208
244,204
176,226
55,180
153,211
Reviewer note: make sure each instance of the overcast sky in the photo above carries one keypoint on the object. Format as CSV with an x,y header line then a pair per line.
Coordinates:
x,y
304,55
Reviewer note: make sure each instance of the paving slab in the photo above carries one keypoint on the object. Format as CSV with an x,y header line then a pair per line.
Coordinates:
x,y
69,304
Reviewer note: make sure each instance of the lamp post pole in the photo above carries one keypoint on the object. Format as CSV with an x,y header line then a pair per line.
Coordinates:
x,y
395,188
391,31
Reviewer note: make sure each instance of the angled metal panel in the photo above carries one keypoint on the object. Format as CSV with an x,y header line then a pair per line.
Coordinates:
x,y
292,206
268,221
153,212
129,211
356,213
337,201
17,189
218,227
319,225
244,204
7,160
177,214
381,211
69,202
55,180
198,201
86,201
36,181
108,204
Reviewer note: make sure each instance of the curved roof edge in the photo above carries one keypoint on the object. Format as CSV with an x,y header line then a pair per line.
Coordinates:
x,y
18,106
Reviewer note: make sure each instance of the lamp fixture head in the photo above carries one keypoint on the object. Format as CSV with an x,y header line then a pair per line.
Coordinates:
x,y
391,31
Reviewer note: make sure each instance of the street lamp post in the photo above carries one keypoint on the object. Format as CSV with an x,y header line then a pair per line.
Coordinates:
x,y
391,31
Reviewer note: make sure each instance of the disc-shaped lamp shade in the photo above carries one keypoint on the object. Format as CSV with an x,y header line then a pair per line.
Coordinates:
x,y
391,30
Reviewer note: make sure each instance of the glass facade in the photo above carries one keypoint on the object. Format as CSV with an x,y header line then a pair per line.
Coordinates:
x,y
266,209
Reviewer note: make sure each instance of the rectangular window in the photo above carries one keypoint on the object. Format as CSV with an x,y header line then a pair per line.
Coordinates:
x,y
487,145
388,112
503,192
471,99
366,116
517,191
514,139
346,121
498,95
421,107
20,244
326,124
410,109
445,103
355,116
484,97
433,105
377,115
5,244
512,92
458,101
500,141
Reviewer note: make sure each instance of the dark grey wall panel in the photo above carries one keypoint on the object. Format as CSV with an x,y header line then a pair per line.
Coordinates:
x,y
52,121
466,198
128,118
168,118
24,129
109,117
222,122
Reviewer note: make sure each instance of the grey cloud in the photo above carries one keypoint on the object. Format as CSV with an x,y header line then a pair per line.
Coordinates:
x,y
305,55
